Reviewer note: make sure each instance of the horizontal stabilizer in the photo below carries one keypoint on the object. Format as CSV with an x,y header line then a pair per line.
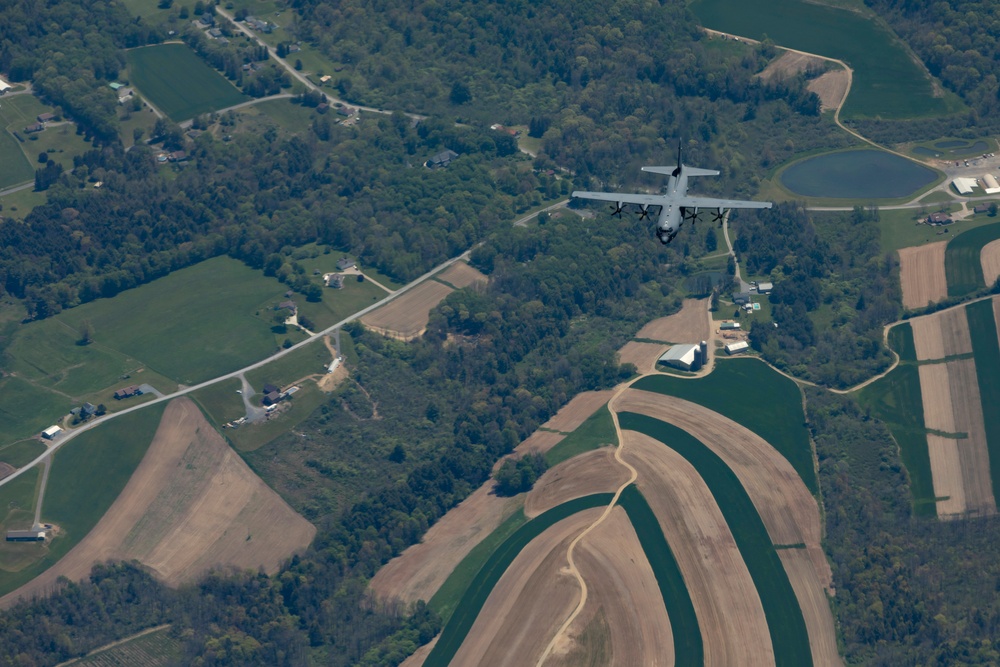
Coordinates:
x,y
690,171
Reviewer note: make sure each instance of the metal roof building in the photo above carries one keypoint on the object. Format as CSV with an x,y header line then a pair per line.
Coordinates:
x,y
681,356
964,185
51,432
990,184
737,348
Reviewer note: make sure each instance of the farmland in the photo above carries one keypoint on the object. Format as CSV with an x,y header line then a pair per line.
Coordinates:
x,y
179,83
962,262
407,316
784,617
922,274
782,422
887,82
985,347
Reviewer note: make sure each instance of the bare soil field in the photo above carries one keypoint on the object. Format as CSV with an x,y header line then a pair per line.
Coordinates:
x,y
946,475
418,572
578,410
190,505
730,615
529,603
688,325
989,256
921,273
591,472
539,442
643,355
830,87
624,621
788,65
406,317
942,334
330,381
461,275
960,469
815,607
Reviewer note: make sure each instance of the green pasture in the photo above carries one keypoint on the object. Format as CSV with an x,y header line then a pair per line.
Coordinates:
x,y
896,400
468,608
983,331
17,504
688,647
178,82
905,228
60,142
155,649
22,452
220,402
289,116
888,82
750,393
311,359
454,587
19,204
787,628
938,197
597,431
339,304
192,325
27,409
901,340
87,476
962,266
14,168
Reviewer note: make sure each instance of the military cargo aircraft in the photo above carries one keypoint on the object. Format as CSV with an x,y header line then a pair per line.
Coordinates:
x,y
676,206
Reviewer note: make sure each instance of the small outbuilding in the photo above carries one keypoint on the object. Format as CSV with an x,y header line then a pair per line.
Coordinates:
x,y
33,535
764,288
738,347
729,326
51,432
345,263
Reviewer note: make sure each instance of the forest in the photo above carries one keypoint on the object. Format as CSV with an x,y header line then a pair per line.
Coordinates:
x,y
496,362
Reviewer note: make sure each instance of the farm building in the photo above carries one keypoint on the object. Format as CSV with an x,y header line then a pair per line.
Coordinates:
x,y
990,184
33,535
685,357
34,127
126,392
271,398
334,280
964,185
737,348
729,326
345,263
45,117
4,86
764,288
51,432
981,208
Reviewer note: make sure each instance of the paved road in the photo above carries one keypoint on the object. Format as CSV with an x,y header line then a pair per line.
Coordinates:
x,y
16,188
61,441
531,216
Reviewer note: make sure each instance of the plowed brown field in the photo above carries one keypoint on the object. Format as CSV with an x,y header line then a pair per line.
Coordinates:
x,y
190,505
406,317
733,627
942,334
461,275
624,622
529,602
788,65
591,472
688,325
643,355
830,87
578,410
815,607
921,273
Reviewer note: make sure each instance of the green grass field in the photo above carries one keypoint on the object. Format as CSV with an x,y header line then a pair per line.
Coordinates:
x,y
28,408
17,503
472,600
87,476
597,431
962,266
750,393
787,628
983,331
901,340
309,359
888,83
290,117
21,453
17,112
688,647
220,402
178,82
338,304
18,204
896,400
14,168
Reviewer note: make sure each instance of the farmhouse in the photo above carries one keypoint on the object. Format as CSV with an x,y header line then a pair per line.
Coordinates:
x,y
345,263
739,298
45,117
939,218
737,348
34,535
271,398
729,326
442,159
34,127
334,280
51,432
685,357
127,392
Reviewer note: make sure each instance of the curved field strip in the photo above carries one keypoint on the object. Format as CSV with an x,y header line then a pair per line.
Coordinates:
x,y
691,324
989,258
963,259
983,317
625,619
461,275
468,609
940,335
578,410
771,406
730,613
591,472
785,622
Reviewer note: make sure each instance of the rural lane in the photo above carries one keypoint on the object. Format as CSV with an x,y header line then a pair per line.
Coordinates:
x,y
62,440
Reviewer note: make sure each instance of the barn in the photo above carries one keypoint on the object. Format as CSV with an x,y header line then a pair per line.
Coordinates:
x,y
685,357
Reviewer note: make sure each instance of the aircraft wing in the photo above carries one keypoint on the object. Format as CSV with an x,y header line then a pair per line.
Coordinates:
x,y
712,202
624,197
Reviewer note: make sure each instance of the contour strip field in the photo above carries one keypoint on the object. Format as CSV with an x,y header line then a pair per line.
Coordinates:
x,y
921,274
989,257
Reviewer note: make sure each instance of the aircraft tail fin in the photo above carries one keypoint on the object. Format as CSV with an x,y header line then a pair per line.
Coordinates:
x,y
690,171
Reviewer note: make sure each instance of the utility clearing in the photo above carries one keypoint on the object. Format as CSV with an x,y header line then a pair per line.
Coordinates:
x,y
192,504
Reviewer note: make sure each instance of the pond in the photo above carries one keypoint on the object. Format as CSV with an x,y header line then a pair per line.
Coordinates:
x,y
857,174
953,148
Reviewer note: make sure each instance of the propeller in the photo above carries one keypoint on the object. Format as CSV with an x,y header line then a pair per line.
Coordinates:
x,y
691,215
616,209
719,216
644,212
